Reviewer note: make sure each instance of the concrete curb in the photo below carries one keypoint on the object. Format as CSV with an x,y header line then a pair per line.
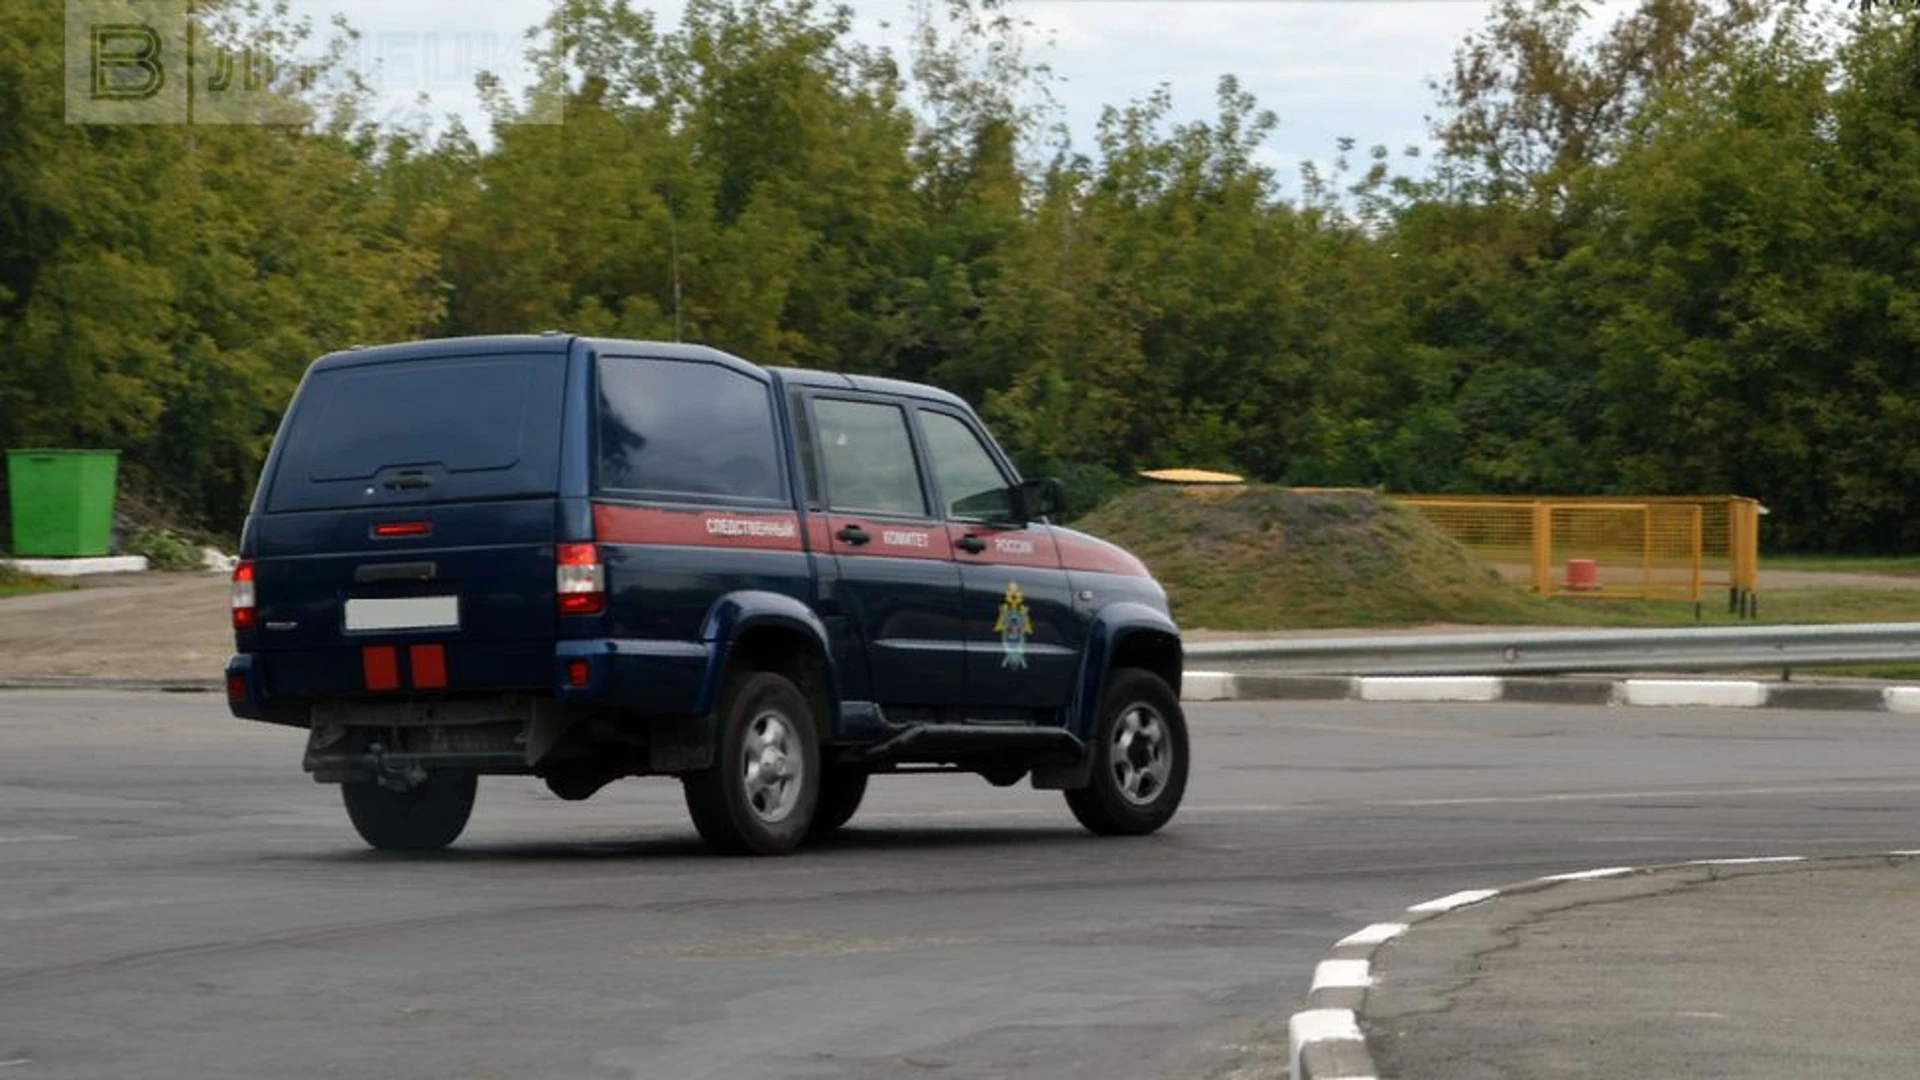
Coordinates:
x,y
109,682
1653,693
1326,1039
96,564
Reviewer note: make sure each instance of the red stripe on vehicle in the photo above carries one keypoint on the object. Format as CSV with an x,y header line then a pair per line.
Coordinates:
x,y
696,528
1083,553
1005,547
891,539
429,664
381,666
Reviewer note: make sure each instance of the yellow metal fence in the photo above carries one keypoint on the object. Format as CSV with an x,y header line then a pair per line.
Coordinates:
x,y
1651,547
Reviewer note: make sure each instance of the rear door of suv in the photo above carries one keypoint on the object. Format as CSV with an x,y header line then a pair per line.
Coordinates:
x,y
891,581
403,538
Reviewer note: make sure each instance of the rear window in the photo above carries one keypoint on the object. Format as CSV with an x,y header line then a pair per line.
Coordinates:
x,y
422,431
686,430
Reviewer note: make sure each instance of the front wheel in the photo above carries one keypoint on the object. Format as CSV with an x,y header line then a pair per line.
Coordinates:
x,y
426,817
758,798
1139,758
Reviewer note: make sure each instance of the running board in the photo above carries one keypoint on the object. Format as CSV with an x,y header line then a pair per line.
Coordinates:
x,y
969,744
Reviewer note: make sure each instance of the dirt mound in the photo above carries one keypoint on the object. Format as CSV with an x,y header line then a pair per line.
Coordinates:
x,y
1270,558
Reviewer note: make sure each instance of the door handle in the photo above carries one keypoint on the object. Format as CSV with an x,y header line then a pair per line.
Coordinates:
x,y
408,480
370,573
853,534
972,545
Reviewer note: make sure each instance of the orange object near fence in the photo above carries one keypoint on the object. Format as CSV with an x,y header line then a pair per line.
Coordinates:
x,y
1651,547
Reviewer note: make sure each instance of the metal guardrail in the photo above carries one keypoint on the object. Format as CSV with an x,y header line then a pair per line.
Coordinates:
x,y
1561,652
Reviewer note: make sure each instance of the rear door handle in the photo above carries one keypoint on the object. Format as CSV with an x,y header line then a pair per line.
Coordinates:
x,y
406,481
404,571
853,534
972,545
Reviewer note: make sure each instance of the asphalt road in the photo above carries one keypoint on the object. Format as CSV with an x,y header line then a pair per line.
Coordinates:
x,y
177,900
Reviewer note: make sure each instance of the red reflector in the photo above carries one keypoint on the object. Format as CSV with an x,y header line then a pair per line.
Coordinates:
x,y
582,603
245,618
429,663
236,688
381,664
577,673
403,528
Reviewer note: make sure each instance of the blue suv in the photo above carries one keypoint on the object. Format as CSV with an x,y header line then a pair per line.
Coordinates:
x,y
585,559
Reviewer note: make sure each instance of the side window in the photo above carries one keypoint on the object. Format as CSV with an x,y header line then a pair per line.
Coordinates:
x,y
867,458
684,429
969,478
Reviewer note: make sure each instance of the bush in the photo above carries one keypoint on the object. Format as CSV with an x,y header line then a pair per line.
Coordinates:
x,y
164,550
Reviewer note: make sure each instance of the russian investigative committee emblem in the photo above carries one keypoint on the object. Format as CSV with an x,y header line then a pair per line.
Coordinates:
x,y
1014,626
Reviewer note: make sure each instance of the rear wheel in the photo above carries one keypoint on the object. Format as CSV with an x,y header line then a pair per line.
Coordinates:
x,y
1139,758
426,817
759,796
841,789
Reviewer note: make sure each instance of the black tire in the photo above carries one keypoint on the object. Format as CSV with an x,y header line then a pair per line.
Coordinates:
x,y
841,789
427,817
1139,745
769,816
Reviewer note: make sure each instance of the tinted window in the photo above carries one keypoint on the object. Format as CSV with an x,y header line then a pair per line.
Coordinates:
x,y
683,428
969,479
867,456
481,427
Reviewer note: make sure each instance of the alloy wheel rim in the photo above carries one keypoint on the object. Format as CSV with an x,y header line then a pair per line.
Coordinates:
x,y
771,767
1141,754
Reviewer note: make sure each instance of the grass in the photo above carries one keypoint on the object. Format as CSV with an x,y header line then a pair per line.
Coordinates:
x,y
20,583
1266,558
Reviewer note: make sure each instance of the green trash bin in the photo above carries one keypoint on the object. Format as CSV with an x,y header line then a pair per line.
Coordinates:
x,y
62,501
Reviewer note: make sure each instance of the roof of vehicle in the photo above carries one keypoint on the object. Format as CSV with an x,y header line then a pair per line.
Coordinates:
x,y
559,343
871,384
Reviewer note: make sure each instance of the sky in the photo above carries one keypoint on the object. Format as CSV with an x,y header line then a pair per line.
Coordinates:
x,y
1328,68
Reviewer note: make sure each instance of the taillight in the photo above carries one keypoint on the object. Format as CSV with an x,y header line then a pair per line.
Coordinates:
x,y
580,580
245,616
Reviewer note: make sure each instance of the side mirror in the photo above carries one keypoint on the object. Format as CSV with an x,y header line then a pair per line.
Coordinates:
x,y
1034,499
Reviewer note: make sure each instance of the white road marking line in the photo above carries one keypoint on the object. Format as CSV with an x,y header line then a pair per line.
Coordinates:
x,y
15,1061
1341,975
36,838
1673,793
1377,934
1451,901
1590,875
1753,860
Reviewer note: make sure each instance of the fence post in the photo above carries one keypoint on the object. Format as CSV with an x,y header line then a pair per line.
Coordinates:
x,y
1646,550
1543,549
1699,544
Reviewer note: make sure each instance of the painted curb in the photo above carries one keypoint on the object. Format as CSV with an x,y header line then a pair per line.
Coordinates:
x,y
102,564
109,682
1640,693
1326,1040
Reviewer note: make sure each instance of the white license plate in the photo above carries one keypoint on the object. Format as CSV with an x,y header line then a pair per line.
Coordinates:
x,y
405,613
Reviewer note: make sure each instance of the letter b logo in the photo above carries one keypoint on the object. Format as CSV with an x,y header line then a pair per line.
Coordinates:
x,y
127,61
127,65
